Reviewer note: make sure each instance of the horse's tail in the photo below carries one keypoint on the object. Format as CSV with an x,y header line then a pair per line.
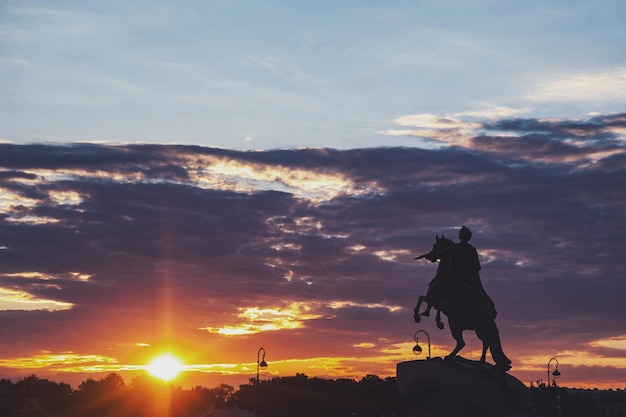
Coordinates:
x,y
491,334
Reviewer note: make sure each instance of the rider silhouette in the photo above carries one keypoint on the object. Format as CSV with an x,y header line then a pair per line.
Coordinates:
x,y
464,273
465,268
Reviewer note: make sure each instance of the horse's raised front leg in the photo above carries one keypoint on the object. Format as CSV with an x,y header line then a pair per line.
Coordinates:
x,y
429,306
416,310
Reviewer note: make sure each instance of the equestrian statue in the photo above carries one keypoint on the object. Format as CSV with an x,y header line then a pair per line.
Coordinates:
x,y
457,292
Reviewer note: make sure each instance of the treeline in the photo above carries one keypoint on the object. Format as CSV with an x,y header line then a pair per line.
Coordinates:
x,y
301,396
292,396
110,396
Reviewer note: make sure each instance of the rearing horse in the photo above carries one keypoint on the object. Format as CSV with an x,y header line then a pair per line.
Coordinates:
x,y
437,288
464,311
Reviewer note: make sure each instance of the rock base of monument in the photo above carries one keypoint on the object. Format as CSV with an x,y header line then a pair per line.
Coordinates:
x,y
461,387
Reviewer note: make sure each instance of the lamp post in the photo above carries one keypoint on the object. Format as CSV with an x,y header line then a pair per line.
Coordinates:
x,y
260,364
417,349
556,374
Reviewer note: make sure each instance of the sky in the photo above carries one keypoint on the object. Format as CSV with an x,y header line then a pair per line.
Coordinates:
x,y
209,178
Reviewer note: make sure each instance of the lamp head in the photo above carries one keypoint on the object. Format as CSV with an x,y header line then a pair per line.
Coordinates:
x,y
556,374
417,349
263,364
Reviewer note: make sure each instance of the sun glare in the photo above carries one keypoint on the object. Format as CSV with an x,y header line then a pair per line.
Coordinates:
x,y
165,367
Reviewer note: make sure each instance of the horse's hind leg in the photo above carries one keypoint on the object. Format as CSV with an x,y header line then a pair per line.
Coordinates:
x,y
483,357
438,319
457,334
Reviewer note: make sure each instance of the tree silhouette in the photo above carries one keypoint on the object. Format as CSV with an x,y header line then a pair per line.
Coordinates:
x,y
300,395
100,397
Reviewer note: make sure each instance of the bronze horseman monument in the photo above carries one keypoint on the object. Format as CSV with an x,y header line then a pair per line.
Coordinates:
x,y
455,386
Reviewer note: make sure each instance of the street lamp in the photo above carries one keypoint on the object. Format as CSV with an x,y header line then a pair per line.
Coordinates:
x,y
417,349
260,364
556,374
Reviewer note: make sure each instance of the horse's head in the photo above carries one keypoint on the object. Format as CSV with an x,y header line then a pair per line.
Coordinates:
x,y
442,243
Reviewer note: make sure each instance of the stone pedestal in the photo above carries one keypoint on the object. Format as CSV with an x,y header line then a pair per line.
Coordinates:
x,y
461,388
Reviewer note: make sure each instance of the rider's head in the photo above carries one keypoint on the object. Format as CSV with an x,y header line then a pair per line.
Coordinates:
x,y
465,234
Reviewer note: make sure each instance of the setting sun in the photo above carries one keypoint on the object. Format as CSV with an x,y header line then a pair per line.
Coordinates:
x,y
165,367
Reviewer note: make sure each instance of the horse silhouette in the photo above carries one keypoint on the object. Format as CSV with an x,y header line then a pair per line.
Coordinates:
x,y
465,311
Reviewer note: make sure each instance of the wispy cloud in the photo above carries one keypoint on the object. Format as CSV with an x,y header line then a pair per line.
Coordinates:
x,y
582,142
588,87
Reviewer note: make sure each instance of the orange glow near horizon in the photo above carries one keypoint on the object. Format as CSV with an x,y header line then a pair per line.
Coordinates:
x,y
378,357
191,365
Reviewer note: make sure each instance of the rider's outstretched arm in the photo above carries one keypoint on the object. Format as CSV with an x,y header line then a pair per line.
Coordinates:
x,y
431,256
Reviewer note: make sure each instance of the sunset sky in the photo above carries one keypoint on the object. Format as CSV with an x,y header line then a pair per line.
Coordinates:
x,y
208,178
